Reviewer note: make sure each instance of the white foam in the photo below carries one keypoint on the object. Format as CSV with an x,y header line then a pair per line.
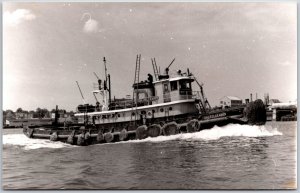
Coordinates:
x,y
231,130
27,143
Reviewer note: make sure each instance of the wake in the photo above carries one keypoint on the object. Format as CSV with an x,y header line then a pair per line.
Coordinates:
x,y
215,133
28,144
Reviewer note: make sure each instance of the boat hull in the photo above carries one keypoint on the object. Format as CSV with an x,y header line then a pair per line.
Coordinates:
x,y
254,114
93,135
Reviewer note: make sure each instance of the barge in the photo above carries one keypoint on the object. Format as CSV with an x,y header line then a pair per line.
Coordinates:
x,y
164,104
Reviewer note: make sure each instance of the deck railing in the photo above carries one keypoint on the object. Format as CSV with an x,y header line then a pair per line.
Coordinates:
x,y
184,95
129,103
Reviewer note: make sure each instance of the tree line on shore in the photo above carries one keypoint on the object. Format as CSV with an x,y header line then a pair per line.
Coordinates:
x,y
38,113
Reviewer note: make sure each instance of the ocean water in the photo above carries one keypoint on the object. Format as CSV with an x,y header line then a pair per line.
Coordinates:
x,y
229,157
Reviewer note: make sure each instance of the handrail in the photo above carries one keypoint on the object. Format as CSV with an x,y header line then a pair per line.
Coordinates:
x,y
184,95
150,100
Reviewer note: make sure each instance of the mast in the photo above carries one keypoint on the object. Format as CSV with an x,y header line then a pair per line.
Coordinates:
x,y
105,69
136,82
81,93
86,107
107,78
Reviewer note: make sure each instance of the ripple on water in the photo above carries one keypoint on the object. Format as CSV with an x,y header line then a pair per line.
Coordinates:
x,y
230,157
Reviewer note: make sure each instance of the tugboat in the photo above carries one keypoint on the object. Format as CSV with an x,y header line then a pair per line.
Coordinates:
x,y
163,105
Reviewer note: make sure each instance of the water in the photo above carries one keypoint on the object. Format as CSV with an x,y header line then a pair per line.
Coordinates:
x,y
230,157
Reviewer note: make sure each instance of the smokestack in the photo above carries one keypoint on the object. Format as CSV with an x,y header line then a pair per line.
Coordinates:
x,y
109,91
250,97
255,96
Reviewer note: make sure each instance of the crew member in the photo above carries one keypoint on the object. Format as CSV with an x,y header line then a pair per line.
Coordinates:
x,y
150,78
99,82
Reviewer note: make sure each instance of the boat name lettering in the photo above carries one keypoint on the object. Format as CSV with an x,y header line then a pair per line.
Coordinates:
x,y
215,116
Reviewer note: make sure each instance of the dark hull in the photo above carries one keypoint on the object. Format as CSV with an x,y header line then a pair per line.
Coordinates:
x,y
93,135
254,114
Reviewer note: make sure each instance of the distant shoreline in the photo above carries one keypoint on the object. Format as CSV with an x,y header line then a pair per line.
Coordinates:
x,y
12,128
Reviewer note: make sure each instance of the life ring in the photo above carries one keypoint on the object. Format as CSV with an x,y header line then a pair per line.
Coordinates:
x,y
198,107
149,114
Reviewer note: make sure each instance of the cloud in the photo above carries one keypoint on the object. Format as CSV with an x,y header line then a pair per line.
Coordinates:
x,y
17,17
286,63
91,25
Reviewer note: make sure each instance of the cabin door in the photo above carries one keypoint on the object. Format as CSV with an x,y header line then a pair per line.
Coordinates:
x,y
166,92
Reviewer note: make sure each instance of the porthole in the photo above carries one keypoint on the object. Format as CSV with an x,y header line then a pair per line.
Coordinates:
x,y
170,108
133,114
119,115
153,111
161,110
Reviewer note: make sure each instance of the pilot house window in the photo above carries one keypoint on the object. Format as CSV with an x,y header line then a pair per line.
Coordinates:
x,y
184,84
173,85
166,89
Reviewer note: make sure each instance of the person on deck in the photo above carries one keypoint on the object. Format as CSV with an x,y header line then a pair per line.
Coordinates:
x,y
150,78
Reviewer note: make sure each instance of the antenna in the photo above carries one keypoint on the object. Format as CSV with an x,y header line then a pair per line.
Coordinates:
x,y
95,97
171,63
81,93
167,69
96,76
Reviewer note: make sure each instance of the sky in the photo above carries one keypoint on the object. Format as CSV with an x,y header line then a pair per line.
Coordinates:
x,y
233,48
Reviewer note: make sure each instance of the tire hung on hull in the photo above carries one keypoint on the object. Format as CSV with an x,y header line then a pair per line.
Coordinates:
x,y
80,139
109,137
256,112
100,137
54,136
193,126
71,139
28,131
141,132
154,130
182,128
123,135
87,138
170,129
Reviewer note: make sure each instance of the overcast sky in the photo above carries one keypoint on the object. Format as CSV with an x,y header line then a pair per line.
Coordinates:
x,y
233,48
